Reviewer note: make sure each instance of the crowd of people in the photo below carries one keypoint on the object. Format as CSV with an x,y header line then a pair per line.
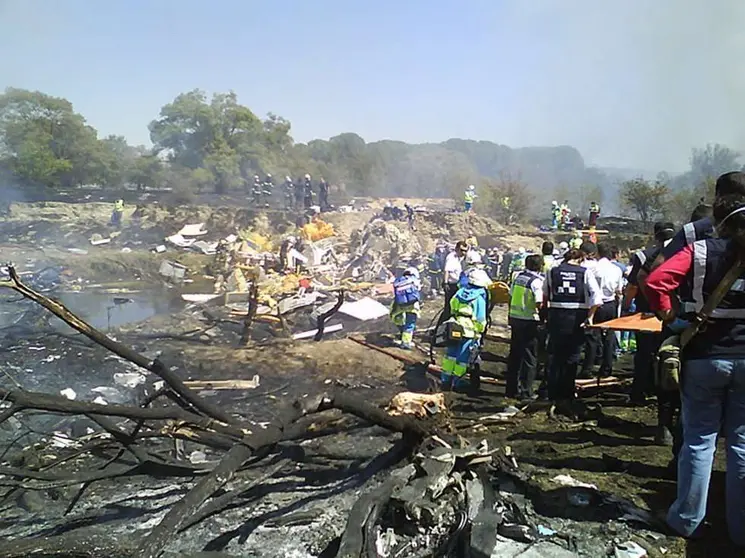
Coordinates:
x,y
692,279
296,194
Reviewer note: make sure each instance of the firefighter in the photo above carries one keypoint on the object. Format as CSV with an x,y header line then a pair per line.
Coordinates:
x,y
289,192
323,194
405,308
307,192
256,189
267,188
468,311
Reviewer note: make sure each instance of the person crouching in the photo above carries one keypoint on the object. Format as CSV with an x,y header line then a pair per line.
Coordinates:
x,y
468,312
405,307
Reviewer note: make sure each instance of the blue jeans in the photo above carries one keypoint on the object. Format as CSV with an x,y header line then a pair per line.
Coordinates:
x,y
713,396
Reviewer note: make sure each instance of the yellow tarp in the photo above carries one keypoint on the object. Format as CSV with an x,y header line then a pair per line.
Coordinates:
x,y
499,292
317,229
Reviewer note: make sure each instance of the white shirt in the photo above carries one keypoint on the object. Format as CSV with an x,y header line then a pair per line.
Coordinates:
x,y
610,279
453,267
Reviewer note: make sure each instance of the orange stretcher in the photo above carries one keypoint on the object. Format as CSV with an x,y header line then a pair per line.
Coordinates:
x,y
634,322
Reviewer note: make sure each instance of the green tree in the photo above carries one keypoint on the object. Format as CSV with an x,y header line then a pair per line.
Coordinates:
x,y
647,199
43,140
507,185
220,136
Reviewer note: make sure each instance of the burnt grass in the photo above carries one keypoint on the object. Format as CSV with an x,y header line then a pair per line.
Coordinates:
x,y
302,506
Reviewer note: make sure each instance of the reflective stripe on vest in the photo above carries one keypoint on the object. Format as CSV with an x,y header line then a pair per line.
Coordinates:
x,y
690,233
700,254
642,257
579,289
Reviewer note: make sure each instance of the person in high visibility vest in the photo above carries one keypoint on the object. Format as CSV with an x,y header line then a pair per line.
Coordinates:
x,y
526,297
469,197
594,214
555,215
405,308
548,260
506,205
468,312
576,240
116,215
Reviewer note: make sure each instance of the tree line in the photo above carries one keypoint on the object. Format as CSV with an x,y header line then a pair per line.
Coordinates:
x,y
216,144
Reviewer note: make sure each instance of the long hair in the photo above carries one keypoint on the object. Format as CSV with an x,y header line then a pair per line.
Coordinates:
x,y
731,225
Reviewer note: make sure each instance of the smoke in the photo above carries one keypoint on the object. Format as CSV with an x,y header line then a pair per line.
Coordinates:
x,y
632,82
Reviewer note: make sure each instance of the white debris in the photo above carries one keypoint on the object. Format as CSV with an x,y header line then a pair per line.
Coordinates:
x,y
311,333
629,550
364,309
51,358
78,251
96,240
197,457
129,379
568,480
199,298
172,270
69,393
160,248
192,230
100,401
180,241
126,250
231,238
62,440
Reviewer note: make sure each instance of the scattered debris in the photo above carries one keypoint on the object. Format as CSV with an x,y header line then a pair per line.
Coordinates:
x,y
253,383
364,309
314,332
418,404
567,480
629,550
69,393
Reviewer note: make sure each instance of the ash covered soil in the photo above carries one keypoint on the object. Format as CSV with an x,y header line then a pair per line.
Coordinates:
x,y
298,494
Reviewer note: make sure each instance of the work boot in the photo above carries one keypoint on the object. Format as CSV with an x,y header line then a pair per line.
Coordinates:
x,y
406,346
397,341
663,436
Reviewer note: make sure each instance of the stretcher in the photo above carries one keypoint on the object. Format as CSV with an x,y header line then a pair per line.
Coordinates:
x,y
634,322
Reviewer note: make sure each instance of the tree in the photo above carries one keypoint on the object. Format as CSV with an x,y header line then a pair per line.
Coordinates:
x,y
221,136
507,185
711,161
647,199
43,140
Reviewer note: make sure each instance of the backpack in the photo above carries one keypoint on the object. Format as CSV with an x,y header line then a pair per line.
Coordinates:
x,y
405,291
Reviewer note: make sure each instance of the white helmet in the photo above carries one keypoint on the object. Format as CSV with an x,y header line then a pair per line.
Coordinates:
x,y
473,257
288,179
268,175
479,278
563,246
414,272
307,177
521,250
554,202
472,187
256,177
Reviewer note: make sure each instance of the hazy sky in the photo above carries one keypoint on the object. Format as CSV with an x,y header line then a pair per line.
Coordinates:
x,y
632,83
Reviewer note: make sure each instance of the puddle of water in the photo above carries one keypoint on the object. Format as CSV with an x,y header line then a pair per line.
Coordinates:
x,y
101,310
105,311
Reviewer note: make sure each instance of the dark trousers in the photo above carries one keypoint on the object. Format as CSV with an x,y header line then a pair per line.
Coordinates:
x,y
601,340
450,290
435,278
523,358
668,415
647,345
565,348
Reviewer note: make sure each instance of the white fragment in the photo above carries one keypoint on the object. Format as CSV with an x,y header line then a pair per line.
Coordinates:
x,y
69,393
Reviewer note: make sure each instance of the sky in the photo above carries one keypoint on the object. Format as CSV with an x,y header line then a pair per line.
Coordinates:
x,y
630,83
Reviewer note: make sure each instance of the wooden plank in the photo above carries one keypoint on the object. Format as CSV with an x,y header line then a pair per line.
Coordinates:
x,y
633,322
